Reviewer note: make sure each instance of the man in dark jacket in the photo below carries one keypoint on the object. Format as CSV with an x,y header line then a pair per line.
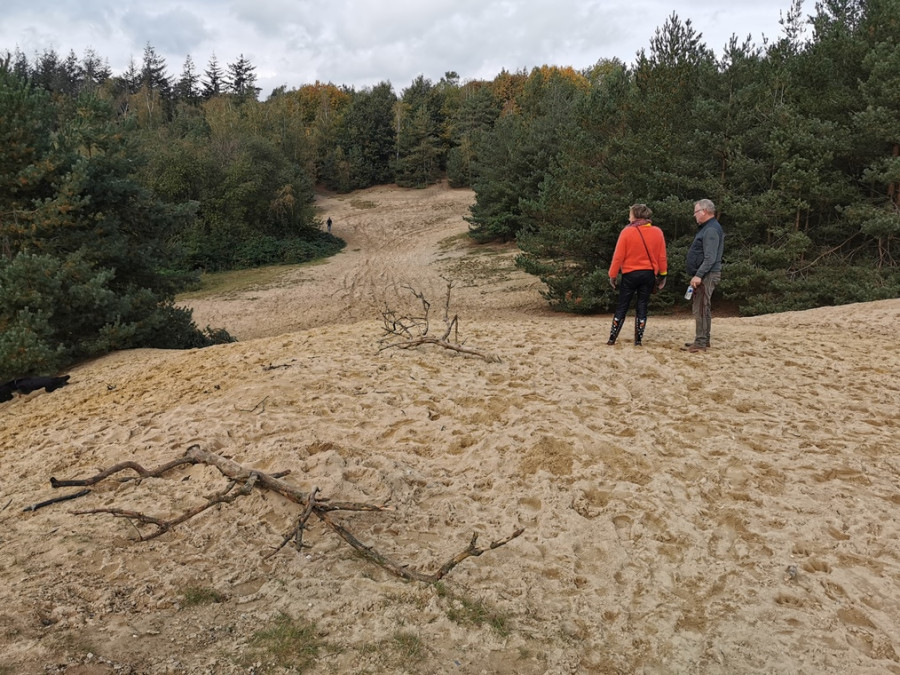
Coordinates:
x,y
704,264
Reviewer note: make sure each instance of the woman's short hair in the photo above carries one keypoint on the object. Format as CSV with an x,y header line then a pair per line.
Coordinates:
x,y
706,205
641,211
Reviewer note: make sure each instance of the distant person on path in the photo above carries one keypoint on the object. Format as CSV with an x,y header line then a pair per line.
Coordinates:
x,y
704,264
641,257
328,223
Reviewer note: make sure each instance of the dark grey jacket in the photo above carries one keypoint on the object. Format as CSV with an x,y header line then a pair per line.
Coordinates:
x,y
705,254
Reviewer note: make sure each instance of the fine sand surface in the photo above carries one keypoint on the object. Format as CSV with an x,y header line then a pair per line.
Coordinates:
x,y
729,512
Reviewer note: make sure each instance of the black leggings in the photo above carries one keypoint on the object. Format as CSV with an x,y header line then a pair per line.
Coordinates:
x,y
640,282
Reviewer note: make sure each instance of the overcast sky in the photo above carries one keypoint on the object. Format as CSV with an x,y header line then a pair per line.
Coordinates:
x,y
360,43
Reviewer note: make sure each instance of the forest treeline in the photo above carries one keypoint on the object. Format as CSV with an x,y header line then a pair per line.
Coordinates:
x,y
115,190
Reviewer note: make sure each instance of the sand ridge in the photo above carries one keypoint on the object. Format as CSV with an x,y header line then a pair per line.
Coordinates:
x,y
727,512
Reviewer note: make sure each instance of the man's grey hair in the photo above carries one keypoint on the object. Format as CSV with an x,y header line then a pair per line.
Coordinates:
x,y
706,205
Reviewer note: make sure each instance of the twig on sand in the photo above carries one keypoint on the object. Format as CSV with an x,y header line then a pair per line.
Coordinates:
x,y
253,409
56,500
249,479
405,331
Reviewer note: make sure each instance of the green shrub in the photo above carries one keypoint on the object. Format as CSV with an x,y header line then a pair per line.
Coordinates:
x,y
193,596
466,611
55,312
288,643
220,251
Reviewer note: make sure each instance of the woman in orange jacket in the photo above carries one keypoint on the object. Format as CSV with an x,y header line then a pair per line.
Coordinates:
x,y
641,257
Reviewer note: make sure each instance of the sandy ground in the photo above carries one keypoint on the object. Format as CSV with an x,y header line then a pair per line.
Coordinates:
x,y
728,512
397,240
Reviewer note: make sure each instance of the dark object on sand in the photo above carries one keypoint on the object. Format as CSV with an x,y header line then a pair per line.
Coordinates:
x,y
26,385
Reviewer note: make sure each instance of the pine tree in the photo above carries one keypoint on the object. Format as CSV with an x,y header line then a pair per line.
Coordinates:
x,y
155,93
131,78
20,66
213,84
878,127
26,163
418,157
96,71
83,242
366,136
154,77
187,88
72,74
515,156
50,73
241,79
476,114
577,209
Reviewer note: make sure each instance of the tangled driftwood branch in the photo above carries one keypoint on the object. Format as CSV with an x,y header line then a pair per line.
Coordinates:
x,y
248,479
404,331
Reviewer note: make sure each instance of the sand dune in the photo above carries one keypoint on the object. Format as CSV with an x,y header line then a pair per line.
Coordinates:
x,y
727,512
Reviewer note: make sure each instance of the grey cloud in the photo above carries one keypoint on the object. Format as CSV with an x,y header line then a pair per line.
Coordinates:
x,y
363,42
272,18
172,32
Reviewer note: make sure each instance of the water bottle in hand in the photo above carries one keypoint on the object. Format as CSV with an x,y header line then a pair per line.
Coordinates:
x,y
689,293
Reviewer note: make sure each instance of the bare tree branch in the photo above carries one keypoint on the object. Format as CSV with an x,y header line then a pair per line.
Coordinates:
x,y
141,471
296,532
163,526
406,332
56,500
251,478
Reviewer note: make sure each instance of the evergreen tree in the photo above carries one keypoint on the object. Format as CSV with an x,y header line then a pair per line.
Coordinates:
x,y
214,83
154,77
476,114
52,73
877,127
241,79
154,96
95,71
418,157
72,75
187,89
84,245
20,65
366,137
503,171
523,146
26,163
671,83
577,210
131,78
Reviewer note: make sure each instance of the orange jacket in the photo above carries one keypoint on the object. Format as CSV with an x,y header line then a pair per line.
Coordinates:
x,y
630,254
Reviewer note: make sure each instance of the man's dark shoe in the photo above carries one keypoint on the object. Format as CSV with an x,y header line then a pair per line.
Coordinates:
x,y
697,348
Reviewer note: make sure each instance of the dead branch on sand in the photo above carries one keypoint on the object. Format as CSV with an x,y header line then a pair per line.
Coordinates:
x,y
404,331
245,480
56,500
